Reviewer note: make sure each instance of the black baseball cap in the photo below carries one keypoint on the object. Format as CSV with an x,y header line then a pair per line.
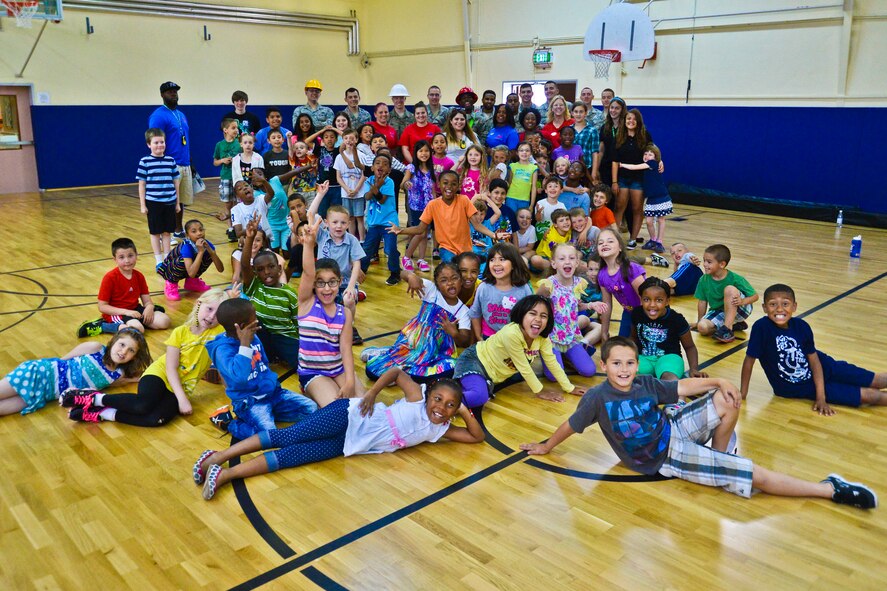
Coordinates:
x,y
169,86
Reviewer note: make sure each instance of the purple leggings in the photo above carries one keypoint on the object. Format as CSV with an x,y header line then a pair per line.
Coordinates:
x,y
475,390
578,357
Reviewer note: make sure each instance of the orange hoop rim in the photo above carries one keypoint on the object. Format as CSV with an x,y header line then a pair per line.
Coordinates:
x,y
609,55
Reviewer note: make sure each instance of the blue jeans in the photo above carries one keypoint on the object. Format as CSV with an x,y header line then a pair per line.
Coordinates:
x,y
255,415
375,235
333,197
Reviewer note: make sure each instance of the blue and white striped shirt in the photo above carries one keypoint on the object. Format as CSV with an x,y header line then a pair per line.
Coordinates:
x,y
158,174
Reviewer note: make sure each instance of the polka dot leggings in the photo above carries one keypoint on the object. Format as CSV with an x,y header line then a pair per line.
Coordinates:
x,y
320,436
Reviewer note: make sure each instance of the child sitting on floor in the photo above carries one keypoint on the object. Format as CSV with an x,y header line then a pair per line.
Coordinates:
x,y
257,398
124,299
796,369
670,442
726,295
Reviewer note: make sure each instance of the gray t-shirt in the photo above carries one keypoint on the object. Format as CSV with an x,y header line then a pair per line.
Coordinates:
x,y
632,422
345,253
494,306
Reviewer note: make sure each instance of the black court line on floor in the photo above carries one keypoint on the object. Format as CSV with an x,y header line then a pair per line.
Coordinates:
x,y
32,312
54,266
321,580
372,527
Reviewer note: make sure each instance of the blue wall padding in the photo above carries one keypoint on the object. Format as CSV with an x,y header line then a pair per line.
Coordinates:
x,y
821,155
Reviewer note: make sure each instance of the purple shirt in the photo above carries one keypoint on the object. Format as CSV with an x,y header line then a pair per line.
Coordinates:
x,y
619,287
574,154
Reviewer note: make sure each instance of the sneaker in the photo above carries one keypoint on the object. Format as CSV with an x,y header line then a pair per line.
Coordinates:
x,y
632,244
852,493
222,417
658,247
171,290
231,234
723,335
92,414
356,339
407,264
649,245
77,397
741,325
371,352
361,295
435,254
393,279
212,477
197,472
423,265
659,260
179,235
90,328
374,260
196,284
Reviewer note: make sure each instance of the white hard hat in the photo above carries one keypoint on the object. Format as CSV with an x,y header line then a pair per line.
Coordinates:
x,y
399,90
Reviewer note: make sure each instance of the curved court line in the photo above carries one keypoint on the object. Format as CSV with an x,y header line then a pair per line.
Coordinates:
x,y
494,442
54,266
32,312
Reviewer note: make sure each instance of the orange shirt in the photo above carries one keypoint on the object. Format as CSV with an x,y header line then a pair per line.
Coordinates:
x,y
602,217
452,223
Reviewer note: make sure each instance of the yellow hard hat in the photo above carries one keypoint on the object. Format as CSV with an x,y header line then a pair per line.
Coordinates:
x,y
314,84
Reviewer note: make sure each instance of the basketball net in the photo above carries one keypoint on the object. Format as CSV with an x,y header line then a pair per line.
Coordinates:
x,y
602,59
22,10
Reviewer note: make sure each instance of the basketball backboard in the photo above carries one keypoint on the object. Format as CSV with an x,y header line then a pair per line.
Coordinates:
x,y
623,27
48,10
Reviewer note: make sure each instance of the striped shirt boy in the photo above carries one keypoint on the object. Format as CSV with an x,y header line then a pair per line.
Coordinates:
x,y
276,307
158,173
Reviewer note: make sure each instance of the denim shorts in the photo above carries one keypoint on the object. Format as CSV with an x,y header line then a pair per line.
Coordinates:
x,y
630,184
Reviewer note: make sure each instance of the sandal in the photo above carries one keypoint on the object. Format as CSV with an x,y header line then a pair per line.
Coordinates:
x,y
197,471
212,477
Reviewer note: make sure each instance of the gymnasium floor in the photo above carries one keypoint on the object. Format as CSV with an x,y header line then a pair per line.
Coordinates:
x,y
114,507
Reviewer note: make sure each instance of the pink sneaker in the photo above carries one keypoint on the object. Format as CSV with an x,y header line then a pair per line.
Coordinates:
x,y
196,285
423,266
172,291
407,264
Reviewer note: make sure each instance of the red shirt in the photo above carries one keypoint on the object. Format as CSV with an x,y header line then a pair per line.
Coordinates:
x,y
553,134
389,132
121,292
412,133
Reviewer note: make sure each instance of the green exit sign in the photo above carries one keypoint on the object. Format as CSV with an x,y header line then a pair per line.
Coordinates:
x,y
543,58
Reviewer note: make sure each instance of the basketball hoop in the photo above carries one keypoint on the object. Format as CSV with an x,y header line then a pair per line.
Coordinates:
x,y
22,10
602,59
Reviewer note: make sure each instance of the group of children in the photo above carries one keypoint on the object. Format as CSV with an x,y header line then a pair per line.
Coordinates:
x,y
482,300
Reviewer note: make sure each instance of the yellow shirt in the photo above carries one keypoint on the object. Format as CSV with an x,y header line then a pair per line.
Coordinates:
x,y
194,361
506,352
551,237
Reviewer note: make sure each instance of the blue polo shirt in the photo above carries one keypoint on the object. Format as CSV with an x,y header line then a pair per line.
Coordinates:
x,y
381,214
175,125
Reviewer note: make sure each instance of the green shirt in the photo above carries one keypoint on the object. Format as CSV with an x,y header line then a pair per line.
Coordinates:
x,y
712,290
276,307
225,149
399,122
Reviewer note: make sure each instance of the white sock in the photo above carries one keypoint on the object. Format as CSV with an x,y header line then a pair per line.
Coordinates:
x,y
158,258
97,400
109,414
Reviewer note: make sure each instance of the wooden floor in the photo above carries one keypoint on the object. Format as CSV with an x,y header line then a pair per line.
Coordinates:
x,y
113,507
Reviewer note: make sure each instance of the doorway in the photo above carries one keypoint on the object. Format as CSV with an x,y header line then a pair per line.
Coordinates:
x,y
18,159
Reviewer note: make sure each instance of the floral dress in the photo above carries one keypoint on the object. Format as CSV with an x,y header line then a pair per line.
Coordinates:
x,y
565,302
421,190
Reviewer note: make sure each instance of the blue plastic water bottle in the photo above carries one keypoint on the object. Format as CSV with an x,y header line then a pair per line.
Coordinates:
x,y
856,247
